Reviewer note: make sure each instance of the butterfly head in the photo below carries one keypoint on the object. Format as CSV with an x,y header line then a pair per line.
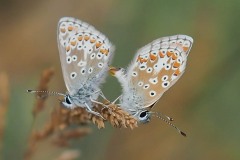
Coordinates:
x,y
67,102
143,116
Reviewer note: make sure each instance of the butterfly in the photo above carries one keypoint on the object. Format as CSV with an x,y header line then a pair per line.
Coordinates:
x,y
154,69
85,54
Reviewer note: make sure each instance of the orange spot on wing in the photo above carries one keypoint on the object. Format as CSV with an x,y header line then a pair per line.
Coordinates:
x,y
153,57
92,40
169,54
174,57
145,60
177,72
185,49
141,60
86,38
104,51
73,43
63,30
138,59
80,38
98,44
70,28
67,48
176,64
161,54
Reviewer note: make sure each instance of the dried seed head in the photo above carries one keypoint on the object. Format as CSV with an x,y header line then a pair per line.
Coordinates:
x,y
62,119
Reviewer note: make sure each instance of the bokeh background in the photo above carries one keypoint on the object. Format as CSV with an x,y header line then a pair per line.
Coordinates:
x,y
204,102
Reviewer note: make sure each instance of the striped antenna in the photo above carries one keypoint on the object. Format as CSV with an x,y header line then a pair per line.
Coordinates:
x,y
160,116
46,93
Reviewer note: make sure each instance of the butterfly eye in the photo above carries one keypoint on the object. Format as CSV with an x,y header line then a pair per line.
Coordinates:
x,y
67,100
144,116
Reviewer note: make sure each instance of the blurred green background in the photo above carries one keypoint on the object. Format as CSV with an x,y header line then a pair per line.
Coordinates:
x,y
204,102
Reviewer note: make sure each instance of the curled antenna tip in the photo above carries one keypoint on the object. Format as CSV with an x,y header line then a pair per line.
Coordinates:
x,y
184,134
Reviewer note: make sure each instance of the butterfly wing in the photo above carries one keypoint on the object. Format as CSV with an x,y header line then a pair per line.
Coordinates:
x,y
84,53
157,66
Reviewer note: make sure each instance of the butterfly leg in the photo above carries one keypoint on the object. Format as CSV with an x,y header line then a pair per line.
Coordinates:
x,y
93,112
117,99
94,101
100,93
97,102
106,106
100,103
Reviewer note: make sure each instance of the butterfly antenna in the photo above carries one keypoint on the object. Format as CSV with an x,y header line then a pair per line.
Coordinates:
x,y
46,93
159,115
